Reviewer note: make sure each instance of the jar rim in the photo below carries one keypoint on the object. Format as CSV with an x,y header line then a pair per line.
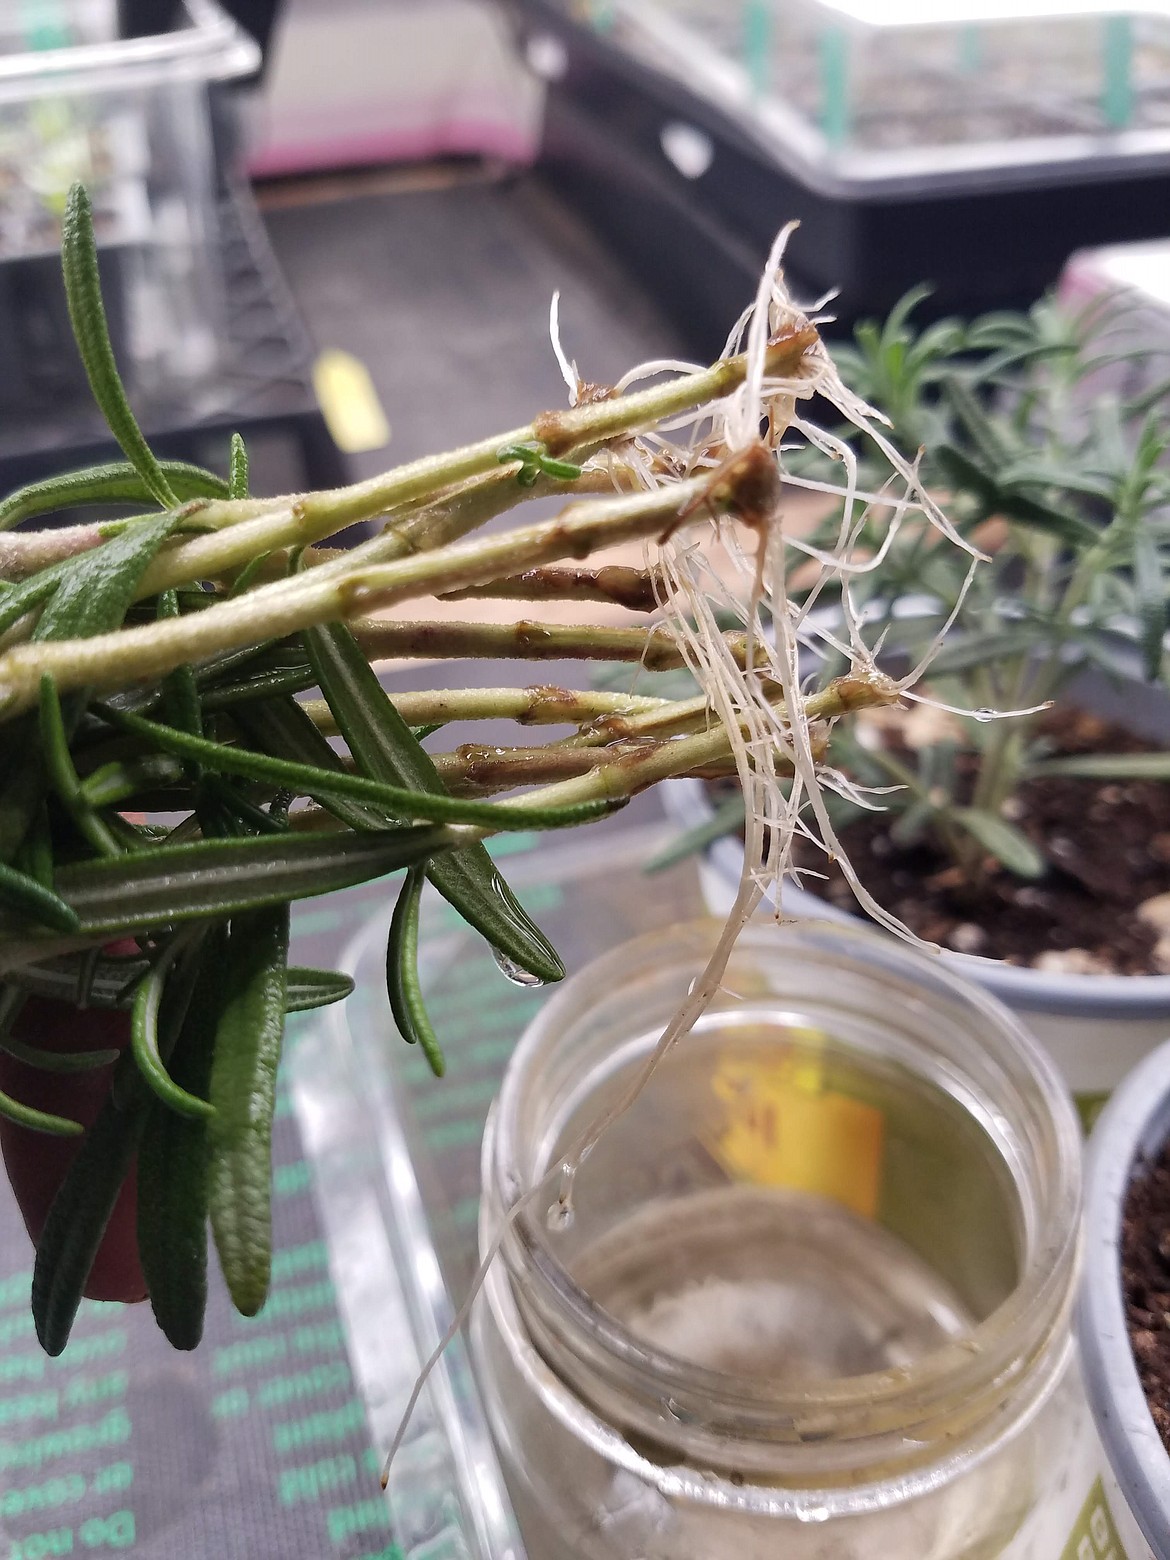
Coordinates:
x,y
978,1370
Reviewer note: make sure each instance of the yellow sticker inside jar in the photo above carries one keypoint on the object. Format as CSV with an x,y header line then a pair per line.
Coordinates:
x,y
784,1125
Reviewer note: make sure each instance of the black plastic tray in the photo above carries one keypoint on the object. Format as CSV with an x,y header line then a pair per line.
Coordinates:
x,y
263,386
993,237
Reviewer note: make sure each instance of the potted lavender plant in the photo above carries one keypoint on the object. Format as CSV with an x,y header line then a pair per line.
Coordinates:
x,y
1031,849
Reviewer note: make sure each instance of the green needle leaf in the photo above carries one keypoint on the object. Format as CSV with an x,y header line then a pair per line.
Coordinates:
x,y
727,817
1002,840
326,785
169,884
1108,766
1150,587
534,461
243,1091
113,483
79,259
282,728
94,590
383,744
115,783
66,1062
306,989
25,896
968,651
248,574
103,981
402,982
80,1212
259,687
38,1120
173,1168
63,776
180,691
27,596
238,468
144,1041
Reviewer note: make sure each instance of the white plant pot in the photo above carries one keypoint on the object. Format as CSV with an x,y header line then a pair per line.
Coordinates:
x,y
1133,1129
1095,1027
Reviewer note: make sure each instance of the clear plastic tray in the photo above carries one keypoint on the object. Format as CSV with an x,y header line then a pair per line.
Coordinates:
x,y
875,91
395,1156
128,117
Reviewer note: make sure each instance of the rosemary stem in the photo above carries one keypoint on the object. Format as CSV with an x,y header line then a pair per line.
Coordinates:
x,y
481,770
149,651
629,767
525,640
410,528
645,763
576,432
676,716
536,706
615,584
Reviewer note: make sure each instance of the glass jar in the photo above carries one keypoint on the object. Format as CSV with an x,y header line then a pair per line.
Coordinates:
x,y
811,1294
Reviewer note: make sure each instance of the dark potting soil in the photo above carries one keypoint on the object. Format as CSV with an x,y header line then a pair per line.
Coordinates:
x,y
1108,843
1145,1280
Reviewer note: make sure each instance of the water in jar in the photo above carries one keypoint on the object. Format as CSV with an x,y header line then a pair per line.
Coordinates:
x,y
777,1203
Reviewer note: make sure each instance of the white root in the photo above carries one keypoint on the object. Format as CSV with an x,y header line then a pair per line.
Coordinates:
x,y
568,369
776,750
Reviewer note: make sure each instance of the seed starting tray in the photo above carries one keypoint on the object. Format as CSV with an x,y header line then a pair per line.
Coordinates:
x,y
688,185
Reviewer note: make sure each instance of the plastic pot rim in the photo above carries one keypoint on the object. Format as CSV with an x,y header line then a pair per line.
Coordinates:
x,y
1092,996
1133,1126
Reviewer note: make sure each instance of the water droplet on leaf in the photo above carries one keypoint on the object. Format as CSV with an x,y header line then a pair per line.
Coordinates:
x,y
514,972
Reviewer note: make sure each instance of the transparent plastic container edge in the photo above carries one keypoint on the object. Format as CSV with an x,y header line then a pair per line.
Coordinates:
x,y
212,47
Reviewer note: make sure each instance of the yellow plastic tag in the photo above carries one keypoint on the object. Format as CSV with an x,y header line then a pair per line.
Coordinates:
x,y
784,1127
1095,1536
349,402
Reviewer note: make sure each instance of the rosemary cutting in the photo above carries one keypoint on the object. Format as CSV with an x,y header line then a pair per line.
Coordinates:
x,y
166,793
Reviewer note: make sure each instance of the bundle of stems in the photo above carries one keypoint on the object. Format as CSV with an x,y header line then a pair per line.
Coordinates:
x,y
165,794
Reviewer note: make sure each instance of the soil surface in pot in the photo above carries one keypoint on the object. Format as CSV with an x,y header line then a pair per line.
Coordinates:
x,y
1145,1279
1098,910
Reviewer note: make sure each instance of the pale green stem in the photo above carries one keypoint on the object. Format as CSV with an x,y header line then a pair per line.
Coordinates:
x,y
25,552
398,638
670,719
539,706
645,764
618,735
575,432
631,767
150,650
415,529
481,770
676,716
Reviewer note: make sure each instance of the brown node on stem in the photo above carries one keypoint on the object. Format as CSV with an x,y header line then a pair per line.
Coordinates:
x,y
549,429
788,346
589,394
747,485
858,693
544,699
626,587
530,634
